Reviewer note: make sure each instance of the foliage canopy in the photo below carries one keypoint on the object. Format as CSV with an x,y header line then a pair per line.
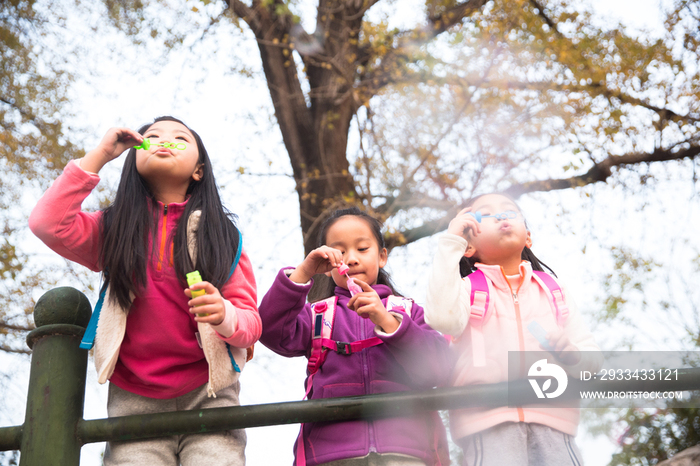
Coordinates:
x,y
460,97
34,146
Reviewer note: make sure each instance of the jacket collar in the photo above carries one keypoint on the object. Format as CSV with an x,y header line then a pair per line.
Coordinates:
x,y
173,206
498,278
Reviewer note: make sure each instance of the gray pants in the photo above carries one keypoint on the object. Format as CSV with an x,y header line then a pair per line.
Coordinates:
x,y
520,444
217,448
375,459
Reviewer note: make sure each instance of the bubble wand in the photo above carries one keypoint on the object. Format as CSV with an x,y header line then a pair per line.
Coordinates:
x,y
353,287
499,216
146,144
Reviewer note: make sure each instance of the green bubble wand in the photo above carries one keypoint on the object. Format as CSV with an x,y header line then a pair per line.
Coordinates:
x,y
146,144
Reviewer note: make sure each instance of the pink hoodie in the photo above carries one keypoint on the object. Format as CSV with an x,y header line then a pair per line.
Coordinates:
x,y
447,310
159,355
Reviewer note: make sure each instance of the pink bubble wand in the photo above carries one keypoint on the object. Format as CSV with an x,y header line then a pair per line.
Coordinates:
x,y
353,287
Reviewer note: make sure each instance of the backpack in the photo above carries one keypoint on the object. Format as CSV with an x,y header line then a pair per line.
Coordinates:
x,y
479,300
88,340
323,315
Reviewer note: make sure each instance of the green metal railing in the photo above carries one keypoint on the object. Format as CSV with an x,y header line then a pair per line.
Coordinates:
x,y
54,429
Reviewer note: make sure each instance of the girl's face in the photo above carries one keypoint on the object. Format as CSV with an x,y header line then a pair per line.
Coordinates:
x,y
500,241
167,167
353,237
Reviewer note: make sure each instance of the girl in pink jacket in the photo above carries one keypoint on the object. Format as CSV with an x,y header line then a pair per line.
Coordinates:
x,y
490,239
157,351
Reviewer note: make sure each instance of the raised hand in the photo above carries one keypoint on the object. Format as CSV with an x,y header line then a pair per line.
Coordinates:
x,y
464,222
320,260
112,145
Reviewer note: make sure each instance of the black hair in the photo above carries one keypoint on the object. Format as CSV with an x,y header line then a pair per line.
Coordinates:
x,y
131,219
467,265
328,289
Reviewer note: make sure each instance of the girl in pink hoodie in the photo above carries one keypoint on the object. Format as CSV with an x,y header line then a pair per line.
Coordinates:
x,y
490,237
157,351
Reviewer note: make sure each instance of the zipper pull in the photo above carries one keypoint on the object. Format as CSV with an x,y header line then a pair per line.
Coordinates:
x,y
165,209
515,298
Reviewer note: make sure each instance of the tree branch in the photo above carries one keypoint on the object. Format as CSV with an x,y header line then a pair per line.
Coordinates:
x,y
601,171
601,89
426,229
382,75
9,349
19,328
441,22
30,117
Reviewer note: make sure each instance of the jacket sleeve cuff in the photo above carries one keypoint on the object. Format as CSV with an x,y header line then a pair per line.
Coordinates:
x,y
381,333
73,168
289,270
230,323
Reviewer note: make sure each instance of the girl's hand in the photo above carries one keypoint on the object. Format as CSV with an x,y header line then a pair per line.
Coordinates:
x,y
209,308
113,144
320,260
563,349
368,305
463,222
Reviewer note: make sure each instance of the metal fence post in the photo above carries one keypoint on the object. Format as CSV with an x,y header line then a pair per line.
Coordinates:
x,y
56,392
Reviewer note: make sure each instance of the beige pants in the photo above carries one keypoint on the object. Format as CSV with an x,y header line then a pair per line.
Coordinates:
x,y
375,459
224,448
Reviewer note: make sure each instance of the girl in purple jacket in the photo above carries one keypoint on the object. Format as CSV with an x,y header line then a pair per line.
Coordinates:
x,y
405,354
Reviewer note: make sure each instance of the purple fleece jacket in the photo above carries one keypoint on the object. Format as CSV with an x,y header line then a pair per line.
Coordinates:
x,y
414,357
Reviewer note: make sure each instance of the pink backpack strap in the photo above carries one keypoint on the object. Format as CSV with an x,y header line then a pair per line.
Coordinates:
x,y
300,457
479,300
323,315
323,318
555,295
399,303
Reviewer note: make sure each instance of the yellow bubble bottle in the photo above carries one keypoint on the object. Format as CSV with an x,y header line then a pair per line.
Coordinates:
x,y
192,279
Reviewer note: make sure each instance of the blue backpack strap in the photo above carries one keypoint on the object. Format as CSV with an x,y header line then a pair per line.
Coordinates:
x,y
233,269
88,340
238,255
233,361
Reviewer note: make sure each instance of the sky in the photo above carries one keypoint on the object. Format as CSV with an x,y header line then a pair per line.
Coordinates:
x,y
239,126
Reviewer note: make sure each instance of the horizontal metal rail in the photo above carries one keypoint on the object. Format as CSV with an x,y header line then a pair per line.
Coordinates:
x,y
330,409
54,429
347,408
10,438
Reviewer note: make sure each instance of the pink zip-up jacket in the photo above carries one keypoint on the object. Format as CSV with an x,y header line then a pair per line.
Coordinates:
x,y
511,309
153,350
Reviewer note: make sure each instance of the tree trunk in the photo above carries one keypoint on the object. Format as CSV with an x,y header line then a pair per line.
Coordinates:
x,y
315,126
